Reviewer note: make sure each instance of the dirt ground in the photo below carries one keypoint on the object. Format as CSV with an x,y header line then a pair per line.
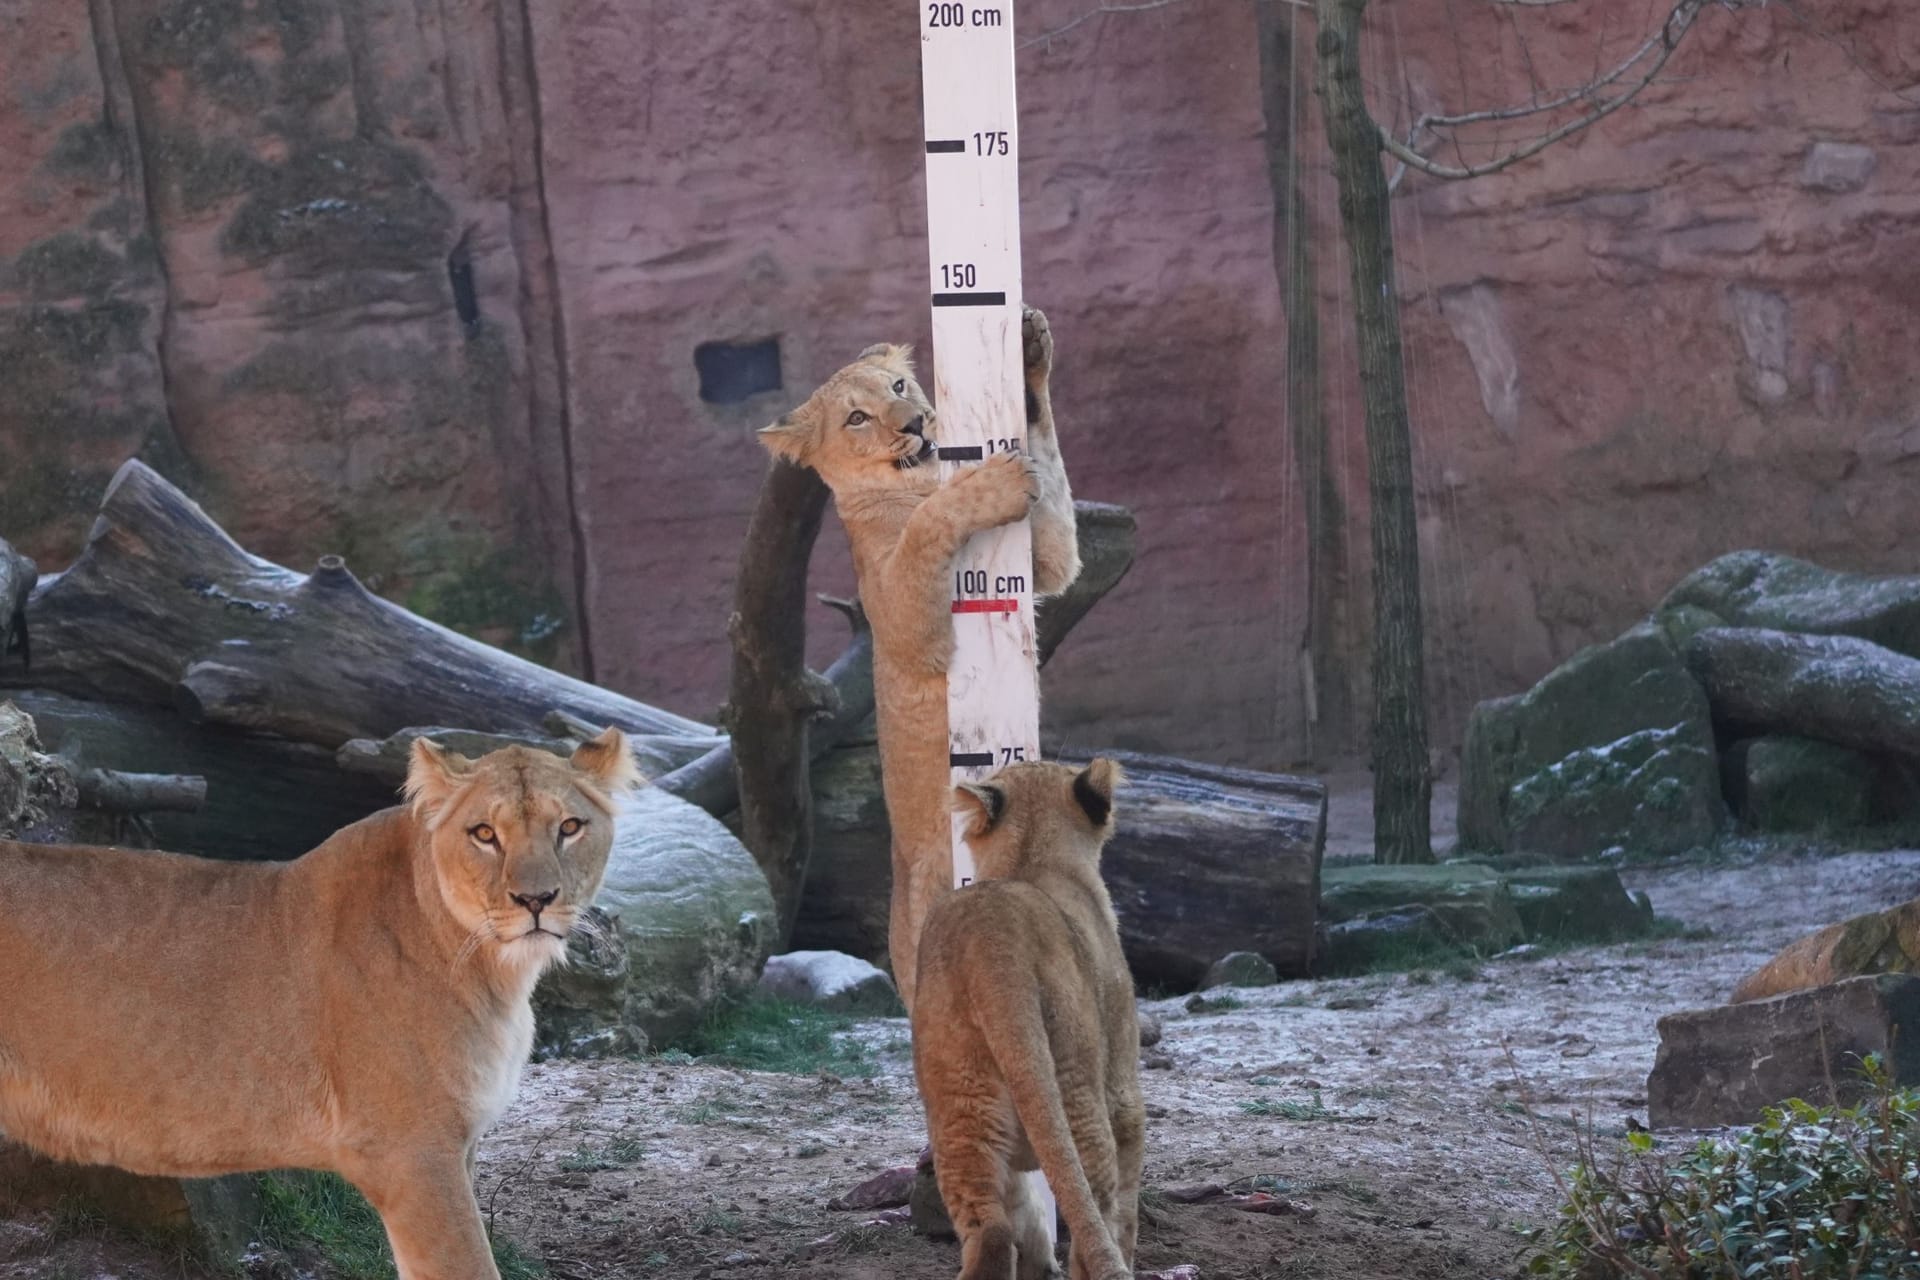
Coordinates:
x,y
1392,1106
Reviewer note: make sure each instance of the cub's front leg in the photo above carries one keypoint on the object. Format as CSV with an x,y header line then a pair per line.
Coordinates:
x,y
1056,540
998,491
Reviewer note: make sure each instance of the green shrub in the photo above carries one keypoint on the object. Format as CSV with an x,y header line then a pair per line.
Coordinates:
x,y
1809,1193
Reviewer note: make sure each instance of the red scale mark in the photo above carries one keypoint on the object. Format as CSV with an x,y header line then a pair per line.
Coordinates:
x,y
986,606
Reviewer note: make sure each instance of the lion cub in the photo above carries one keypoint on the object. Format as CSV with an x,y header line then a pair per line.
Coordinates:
x,y
866,432
1025,1041
362,1009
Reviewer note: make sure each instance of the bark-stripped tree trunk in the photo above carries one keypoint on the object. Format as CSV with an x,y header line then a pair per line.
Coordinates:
x,y
1402,788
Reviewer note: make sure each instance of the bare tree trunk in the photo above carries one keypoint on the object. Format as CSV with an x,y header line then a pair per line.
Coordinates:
x,y
1328,685
1401,786
773,697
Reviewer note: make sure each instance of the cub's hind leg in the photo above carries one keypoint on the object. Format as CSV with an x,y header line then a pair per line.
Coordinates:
x,y
973,1133
1056,543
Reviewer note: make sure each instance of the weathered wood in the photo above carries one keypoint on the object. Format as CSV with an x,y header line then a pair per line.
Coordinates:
x,y
112,791
17,576
1206,860
265,797
1835,688
386,758
773,699
163,607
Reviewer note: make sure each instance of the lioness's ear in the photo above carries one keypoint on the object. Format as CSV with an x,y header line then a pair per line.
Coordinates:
x,y
985,804
790,437
433,774
897,356
1093,789
608,761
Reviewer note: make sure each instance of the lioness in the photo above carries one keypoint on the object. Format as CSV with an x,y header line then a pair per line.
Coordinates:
x,y
1025,1041
866,432
363,1008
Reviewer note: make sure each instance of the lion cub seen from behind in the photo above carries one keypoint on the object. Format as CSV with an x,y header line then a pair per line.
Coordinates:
x,y
363,1009
1025,1039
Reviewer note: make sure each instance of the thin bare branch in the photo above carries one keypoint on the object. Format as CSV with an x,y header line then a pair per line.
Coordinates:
x,y
1643,65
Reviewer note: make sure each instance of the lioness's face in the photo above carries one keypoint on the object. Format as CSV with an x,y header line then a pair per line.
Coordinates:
x,y
1035,810
519,838
868,424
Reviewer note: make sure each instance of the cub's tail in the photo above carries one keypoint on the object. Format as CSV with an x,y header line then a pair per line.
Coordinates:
x,y
1018,1040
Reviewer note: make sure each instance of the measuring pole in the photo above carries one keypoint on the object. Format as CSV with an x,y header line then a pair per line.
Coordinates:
x,y
973,243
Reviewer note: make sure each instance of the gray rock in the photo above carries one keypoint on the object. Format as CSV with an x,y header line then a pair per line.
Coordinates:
x,y
1838,167
214,1218
1150,1031
1780,593
1585,904
831,980
1380,938
1240,969
1784,783
1722,1066
1613,747
686,922
1470,903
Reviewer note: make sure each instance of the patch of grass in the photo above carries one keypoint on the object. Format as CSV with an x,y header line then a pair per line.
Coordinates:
x,y
1197,1003
1809,1193
321,1212
778,1035
1288,1109
616,1154
860,1240
718,1222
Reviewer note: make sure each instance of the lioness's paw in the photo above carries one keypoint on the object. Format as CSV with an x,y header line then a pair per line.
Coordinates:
x,y
1036,344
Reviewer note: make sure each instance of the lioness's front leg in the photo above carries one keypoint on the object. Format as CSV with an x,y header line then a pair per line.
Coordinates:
x,y
1056,541
998,491
432,1220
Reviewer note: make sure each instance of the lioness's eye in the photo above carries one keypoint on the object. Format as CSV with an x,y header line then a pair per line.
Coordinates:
x,y
857,417
900,387
571,827
483,833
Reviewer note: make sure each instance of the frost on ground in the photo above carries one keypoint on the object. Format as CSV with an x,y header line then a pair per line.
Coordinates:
x,y
1420,1117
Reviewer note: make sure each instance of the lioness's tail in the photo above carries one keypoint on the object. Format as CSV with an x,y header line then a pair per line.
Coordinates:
x,y
1019,1044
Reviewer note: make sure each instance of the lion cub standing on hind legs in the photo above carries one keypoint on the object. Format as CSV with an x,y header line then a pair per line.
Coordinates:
x,y
867,432
1025,1038
362,1009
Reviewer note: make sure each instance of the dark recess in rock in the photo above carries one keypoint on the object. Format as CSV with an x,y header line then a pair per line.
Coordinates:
x,y
734,371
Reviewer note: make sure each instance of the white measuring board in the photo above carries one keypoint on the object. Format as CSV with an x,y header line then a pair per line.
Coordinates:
x,y
973,241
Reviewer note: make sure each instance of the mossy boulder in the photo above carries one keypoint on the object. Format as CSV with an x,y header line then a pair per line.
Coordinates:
x,y
1784,783
1577,904
1780,593
1470,902
691,924
1614,747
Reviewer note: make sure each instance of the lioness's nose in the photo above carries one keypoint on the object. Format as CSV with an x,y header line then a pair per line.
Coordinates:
x,y
918,426
536,902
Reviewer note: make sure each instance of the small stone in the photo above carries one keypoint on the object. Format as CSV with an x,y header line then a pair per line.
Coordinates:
x,y
1838,167
1150,1030
1155,1060
927,1211
1240,969
887,1189
831,980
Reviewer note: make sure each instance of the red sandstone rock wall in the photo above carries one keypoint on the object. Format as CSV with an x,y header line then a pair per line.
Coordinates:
x,y
233,236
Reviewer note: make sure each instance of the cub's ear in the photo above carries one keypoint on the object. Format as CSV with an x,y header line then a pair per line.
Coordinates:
x,y
433,774
791,437
896,356
608,762
1093,789
983,803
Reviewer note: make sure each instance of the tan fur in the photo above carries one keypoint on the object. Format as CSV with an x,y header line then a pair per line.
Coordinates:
x,y
362,1009
1025,1039
906,527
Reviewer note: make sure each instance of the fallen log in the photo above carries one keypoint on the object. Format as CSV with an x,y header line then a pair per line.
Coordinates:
x,y
17,576
386,758
162,607
1106,536
1834,688
113,791
1206,860
264,797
